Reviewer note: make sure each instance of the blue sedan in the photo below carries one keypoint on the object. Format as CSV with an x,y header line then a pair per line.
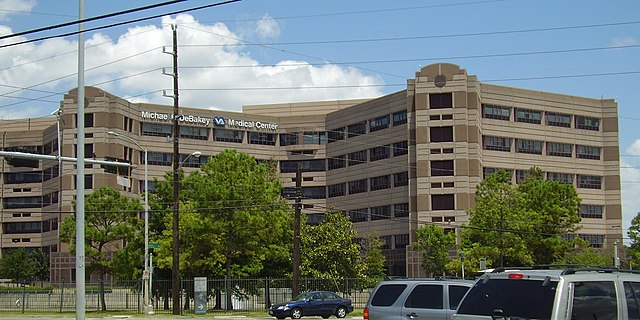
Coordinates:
x,y
314,303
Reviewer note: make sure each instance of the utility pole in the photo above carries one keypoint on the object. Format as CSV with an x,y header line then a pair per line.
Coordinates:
x,y
295,290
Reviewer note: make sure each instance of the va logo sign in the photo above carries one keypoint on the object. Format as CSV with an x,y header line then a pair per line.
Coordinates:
x,y
218,121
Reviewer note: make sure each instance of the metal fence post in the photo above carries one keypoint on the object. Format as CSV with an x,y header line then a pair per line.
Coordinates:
x,y
62,296
267,301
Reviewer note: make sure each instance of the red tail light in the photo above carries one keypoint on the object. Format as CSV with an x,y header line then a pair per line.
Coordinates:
x,y
516,276
365,313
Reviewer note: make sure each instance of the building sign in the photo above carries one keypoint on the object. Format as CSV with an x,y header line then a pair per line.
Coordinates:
x,y
191,119
244,124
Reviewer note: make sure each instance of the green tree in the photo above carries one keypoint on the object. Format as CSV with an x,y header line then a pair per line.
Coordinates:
x,y
634,235
372,258
112,234
329,251
433,244
580,253
22,265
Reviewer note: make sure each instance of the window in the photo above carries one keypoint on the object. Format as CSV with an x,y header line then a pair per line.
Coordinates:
x,y
632,292
356,129
401,241
491,111
23,202
315,165
315,137
23,177
447,117
433,291
528,146
336,162
226,135
359,215
559,149
336,190
560,177
88,151
587,123
335,135
400,179
381,182
379,123
21,227
594,300
589,182
387,294
379,153
528,116
441,168
401,210
289,139
521,175
443,202
314,192
263,138
558,119
192,162
456,293
197,133
441,134
88,119
380,212
440,100
358,186
587,152
357,157
497,143
157,129
400,148
399,118
592,211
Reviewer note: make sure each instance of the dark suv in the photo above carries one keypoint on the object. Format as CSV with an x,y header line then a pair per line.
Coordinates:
x,y
562,294
425,299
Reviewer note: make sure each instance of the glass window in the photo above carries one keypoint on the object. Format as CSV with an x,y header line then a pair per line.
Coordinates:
x,y
589,182
401,241
443,202
357,157
380,212
336,162
442,168
335,135
401,209
560,177
632,292
528,146
359,215
440,100
587,123
441,134
401,179
558,119
23,177
379,153
497,143
157,129
559,149
289,139
314,192
336,190
23,202
456,293
416,298
22,227
521,175
387,294
379,123
226,135
357,129
315,165
381,182
399,118
592,211
315,137
197,133
594,300
400,148
489,171
587,152
263,138
528,116
491,111
358,186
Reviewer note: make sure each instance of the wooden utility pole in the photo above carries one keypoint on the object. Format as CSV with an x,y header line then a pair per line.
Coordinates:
x,y
175,270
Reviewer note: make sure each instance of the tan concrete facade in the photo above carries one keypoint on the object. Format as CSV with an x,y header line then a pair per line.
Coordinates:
x,y
391,163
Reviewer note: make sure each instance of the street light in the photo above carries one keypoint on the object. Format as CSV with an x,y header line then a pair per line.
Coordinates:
x,y
148,308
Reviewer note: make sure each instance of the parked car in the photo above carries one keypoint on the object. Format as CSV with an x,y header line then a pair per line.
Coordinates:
x,y
424,299
561,294
314,303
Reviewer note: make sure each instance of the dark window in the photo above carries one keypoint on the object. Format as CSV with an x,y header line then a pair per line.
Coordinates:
x,y
379,153
528,116
264,138
22,227
592,211
358,186
387,294
456,293
336,190
521,175
560,177
312,137
359,215
196,133
314,192
443,202
447,117
491,111
226,135
289,139
157,129
589,182
632,292
381,182
336,162
23,202
316,165
440,100
160,158
528,146
357,157
399,118
558,119
379,123
400,179
434,117
559,149
401,241
497,143
23,177
416,298
401,209
587,123
587,152
441,168
441,134
88,151
356,129
594,300
88,120
380,212
335,135
400,148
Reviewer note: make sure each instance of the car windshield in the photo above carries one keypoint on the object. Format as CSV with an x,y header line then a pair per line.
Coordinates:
x,y
302,296
518,299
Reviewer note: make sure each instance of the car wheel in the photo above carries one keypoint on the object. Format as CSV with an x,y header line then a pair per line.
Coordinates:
x,y
296,313
341,312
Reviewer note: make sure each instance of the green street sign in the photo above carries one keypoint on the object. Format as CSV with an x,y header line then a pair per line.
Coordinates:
x,y
154,245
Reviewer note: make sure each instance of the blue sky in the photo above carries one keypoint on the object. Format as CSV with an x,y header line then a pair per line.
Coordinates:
x,y
238,53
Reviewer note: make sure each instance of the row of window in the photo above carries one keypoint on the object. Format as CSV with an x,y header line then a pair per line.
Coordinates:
x,y
32,176
31,202
370,184
30,227
398,210
528,146
375,124
581,180
492,111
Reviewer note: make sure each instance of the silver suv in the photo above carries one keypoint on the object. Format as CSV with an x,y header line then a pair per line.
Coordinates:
x,y
567,294
424,299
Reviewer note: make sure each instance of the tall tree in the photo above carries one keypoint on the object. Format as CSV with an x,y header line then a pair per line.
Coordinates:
x,y
112,232
634,235
433,244
22,265
372,258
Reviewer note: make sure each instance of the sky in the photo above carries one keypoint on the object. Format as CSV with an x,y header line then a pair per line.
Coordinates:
x,y
244,52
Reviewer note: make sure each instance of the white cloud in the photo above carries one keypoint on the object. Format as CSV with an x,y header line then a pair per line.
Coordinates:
x,y
634,149
623,41
267,28
630,190
15,6
211,61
